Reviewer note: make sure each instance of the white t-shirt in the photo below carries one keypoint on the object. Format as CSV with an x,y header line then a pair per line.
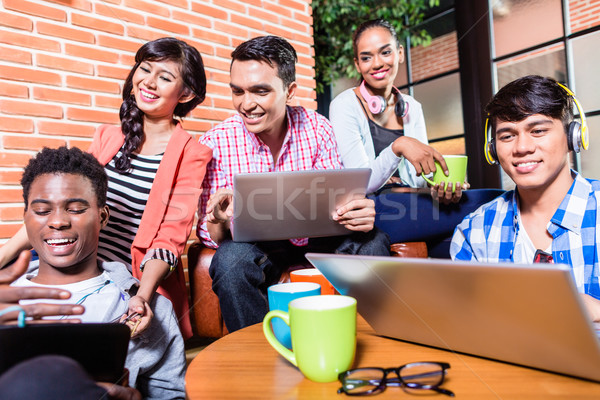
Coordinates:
x,y
97,295
524,244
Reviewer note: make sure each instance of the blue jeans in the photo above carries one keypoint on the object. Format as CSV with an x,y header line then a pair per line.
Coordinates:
x,y
242,272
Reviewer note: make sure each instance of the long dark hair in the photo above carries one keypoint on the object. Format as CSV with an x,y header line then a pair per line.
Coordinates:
x,y
194,78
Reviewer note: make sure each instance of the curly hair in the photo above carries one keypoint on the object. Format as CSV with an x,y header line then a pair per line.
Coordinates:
x,y
194,79
66,161
529,95
273,50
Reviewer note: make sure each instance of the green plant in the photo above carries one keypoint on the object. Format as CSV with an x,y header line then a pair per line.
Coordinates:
x,y
335,20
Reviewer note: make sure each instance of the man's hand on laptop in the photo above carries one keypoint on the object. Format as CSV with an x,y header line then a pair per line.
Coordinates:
x,y
593,307
219,209
357,215
10,296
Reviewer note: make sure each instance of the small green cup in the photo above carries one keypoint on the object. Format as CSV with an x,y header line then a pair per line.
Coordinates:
x,y
323,335
457,169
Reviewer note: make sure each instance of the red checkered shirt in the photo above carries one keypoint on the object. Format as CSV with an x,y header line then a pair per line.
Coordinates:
x,y
309,144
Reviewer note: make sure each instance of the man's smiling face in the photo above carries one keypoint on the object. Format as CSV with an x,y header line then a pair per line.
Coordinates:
x,y
260,96
533,151
63,222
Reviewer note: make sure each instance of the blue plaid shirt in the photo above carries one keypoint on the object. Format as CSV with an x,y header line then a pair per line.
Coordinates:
x,y
489,233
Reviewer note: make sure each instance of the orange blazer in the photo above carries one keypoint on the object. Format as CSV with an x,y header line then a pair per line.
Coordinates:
x,y
169,214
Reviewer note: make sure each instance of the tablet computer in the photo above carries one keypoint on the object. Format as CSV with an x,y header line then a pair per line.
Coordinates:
x,y
100,348
293,204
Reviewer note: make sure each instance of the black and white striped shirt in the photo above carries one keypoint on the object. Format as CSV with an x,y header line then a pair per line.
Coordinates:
x,y
126,198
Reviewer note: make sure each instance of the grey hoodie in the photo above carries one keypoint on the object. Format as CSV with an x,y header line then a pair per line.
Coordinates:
x,y
156,358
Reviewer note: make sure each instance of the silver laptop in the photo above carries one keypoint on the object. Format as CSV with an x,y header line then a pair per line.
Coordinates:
x,y
528,315
287,205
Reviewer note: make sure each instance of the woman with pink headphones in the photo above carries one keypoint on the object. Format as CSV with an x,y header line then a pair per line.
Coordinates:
x,y
378,127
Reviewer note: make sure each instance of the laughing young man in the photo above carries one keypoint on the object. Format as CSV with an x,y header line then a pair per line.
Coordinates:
x,y
267,135
65,207
552,215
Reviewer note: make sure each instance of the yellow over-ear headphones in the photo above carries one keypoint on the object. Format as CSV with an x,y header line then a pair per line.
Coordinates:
x,y
577,133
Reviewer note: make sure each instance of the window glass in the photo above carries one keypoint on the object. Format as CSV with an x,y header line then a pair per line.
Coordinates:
x,y
519,24
590,162
583,14
549,61
442,106
586,59
442,54
450,146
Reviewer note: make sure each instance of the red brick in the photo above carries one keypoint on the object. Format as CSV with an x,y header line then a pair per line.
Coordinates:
x,y
89,115
232,29
211,35
11,177
11,213
16,21
212,62
297,5
91,53
306,60
224,52
84,5
167,25
222,103
35,8
108,101
13,90
211,113
29,75
15,55
143,33
291,24
302,17
94,84
260,14
11,124
278,30
30,142
65,64
277,9
65,129
45,28
202,47
80,144
195,126
119,43
149,7
110,71
62,96
177,3
234,5
13,160
127,59
246,21
118,13
191,18
30,108
8,230
209,11
29,41
218,76
87,21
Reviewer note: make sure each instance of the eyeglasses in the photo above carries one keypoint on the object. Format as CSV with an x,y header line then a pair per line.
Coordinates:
x,y
411,377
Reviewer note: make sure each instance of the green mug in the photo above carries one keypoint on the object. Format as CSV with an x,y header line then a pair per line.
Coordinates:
x,y
457,169
323,335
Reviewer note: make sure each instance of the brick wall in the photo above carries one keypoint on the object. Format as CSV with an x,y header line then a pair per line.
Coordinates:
x,y
63,62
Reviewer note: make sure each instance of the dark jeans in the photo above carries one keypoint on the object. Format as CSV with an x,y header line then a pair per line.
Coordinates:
x,y
242,272
49,377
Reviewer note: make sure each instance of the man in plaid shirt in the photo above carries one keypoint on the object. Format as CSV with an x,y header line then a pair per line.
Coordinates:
x,y
552,215
268,135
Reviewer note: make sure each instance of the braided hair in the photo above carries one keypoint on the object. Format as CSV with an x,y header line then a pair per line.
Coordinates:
x,y
194,79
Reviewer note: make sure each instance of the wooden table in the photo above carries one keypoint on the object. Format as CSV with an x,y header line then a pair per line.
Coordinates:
x,y
242,365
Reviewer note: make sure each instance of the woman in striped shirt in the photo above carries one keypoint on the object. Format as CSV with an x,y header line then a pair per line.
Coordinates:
x,y
155,171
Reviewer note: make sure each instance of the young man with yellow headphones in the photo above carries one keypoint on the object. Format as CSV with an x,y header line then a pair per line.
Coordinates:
x,y
553,214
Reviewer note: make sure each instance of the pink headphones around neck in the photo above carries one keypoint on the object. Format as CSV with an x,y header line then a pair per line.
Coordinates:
x,y
377,104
